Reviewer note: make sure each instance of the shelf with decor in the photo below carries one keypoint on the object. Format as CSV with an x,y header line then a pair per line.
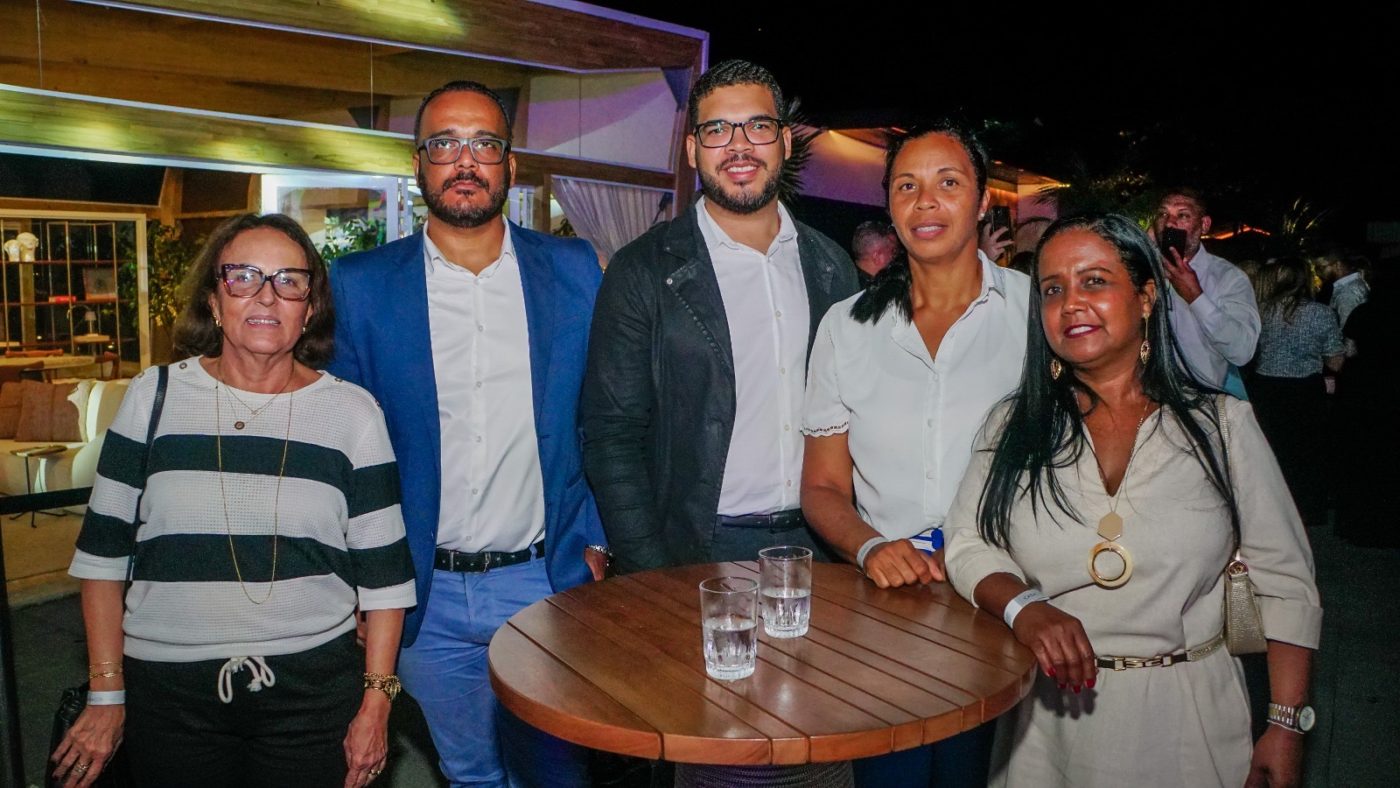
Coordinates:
x,y
64,283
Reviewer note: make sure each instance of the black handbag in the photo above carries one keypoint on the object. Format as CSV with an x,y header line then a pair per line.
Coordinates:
x,y
70,704
74,699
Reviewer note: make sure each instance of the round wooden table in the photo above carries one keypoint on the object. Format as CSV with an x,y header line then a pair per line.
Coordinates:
x,y
617,666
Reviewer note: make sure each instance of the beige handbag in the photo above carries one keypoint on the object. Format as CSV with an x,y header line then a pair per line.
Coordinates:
x,y
1244,627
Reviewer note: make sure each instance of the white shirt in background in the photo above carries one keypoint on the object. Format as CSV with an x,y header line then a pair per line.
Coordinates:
x,y
1221,327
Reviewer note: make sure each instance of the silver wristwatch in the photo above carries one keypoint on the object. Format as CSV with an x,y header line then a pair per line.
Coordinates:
x,y
1299,719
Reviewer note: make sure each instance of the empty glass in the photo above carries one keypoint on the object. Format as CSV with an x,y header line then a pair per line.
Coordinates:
x,y
786,574
729,626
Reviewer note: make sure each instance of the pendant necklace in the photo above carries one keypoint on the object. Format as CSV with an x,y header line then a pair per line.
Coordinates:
x,y
276,498
1111,524
253,413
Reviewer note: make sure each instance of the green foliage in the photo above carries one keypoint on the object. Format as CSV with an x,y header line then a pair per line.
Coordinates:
x,y
356,234
790,178
168,257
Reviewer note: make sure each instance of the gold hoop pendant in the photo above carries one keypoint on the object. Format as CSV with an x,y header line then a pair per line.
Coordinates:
x,y
1117,549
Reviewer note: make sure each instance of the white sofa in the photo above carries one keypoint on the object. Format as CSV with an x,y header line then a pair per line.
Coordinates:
x,y
76,465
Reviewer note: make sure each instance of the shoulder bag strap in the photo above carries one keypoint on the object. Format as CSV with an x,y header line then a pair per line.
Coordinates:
x,y
162,383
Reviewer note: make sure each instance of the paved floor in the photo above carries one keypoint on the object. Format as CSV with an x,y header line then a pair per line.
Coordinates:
x,y
1356,682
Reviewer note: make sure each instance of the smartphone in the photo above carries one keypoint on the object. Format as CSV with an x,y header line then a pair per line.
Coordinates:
x,y
998,217
1172,238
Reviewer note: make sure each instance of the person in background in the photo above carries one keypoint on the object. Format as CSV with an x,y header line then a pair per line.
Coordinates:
x,y
1299,342
900,378
1103,502
472,333
873,246
1213,311
269,514
1342,274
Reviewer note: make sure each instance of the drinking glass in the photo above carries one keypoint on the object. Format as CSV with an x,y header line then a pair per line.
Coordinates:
x,y
786,574
729,626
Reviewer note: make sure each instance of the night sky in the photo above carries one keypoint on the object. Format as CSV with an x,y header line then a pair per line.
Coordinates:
x,y
1260,109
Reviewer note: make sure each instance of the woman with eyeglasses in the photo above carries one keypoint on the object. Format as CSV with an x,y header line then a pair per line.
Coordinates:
x,y
225,564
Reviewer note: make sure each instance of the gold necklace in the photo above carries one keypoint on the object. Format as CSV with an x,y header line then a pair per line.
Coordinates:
x,y
1111,524
253,413
276,499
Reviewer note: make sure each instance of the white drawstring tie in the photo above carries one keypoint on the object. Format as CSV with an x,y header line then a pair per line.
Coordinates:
x,y
262,676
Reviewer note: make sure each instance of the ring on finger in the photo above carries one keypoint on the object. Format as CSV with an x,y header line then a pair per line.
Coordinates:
x,y
81,767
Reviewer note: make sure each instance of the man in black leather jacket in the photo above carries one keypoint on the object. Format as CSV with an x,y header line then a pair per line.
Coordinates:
x,y
703,323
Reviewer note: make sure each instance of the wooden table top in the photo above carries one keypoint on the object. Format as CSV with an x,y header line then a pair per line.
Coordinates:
x,y
617,666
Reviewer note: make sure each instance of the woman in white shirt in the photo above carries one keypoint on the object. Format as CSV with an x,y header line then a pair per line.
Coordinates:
x,y
900,378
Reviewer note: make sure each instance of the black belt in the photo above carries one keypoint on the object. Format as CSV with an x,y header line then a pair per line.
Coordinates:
x,y
792,518
455,561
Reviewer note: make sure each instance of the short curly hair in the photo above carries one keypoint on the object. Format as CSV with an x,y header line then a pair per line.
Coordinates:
x,y
196,333
732,72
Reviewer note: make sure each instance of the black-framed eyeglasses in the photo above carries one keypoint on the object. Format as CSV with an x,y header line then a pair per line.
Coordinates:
x,y
719,133
483,150
246,281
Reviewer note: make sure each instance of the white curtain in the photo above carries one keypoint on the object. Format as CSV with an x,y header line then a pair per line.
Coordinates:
x,y
609,215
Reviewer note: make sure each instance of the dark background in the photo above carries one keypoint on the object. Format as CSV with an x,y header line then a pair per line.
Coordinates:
x,y
1257,107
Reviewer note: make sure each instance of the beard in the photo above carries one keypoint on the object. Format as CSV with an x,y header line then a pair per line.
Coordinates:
x,y
746,201
464,215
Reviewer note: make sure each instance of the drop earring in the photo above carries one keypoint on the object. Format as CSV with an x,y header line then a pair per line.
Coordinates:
x,y
1056,369
1145,350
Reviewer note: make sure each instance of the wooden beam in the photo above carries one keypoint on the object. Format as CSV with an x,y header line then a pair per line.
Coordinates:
x,y
535,168
137,56
77,124
172,189
504,29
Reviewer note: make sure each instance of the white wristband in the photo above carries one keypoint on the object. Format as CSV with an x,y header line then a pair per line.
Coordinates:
x,y
1013,608
108,698
870,544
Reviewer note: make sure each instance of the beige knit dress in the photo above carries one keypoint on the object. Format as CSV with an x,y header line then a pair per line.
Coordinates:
x,y
1184,725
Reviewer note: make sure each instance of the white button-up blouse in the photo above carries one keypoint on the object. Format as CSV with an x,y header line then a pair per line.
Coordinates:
x,y
911,419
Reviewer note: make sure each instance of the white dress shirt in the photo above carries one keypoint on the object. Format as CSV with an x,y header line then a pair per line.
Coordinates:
x,y
911,419
492,486
1221,327
765,304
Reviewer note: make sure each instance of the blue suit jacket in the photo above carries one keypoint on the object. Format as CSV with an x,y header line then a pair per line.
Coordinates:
x,y
382,343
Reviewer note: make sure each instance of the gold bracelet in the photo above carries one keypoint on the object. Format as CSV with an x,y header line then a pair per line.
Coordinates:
x,y
386,683
104,674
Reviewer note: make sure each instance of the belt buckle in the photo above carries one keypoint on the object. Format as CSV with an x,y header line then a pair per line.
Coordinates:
x,y
486,560
1120,663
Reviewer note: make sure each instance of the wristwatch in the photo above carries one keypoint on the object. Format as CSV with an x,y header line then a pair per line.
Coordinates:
x,y
386,683
1299,719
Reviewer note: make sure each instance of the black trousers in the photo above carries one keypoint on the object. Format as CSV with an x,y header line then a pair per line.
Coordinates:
x,y
1294,415
179,733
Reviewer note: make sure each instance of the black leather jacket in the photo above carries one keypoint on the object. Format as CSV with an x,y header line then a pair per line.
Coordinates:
x,y
658,396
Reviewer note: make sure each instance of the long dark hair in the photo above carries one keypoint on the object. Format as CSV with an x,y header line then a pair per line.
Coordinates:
x,y
1045,429
891,286
196,332
1285,284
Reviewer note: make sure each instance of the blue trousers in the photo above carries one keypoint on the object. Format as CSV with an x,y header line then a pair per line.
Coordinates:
x,y
479,742
960,761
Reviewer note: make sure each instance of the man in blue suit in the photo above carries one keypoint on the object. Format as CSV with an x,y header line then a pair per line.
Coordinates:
x,y
472,334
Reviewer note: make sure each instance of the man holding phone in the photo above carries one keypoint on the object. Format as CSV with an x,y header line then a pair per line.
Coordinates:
x,y
1213,311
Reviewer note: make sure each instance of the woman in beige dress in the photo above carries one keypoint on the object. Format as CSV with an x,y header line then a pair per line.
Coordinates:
x,y
1096,518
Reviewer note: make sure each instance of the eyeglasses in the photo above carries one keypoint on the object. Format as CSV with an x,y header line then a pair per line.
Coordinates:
x,y
447,150
719,133
246,281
